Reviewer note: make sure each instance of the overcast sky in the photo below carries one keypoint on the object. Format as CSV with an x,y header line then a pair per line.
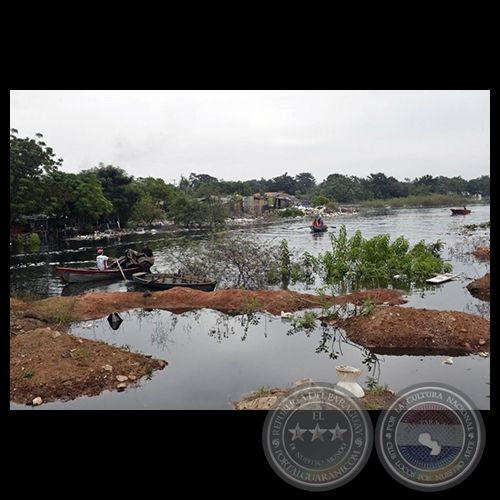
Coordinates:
x,y
252,134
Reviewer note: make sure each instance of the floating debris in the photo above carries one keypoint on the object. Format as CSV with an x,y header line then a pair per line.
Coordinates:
x,y
443,278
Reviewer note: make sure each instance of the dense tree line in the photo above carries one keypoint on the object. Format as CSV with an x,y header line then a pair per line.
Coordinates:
x,y
107,193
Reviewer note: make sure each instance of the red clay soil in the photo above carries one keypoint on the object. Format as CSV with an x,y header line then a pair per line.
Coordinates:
x,y
48,363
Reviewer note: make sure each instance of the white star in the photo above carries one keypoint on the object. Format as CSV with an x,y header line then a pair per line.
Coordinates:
x,y
337,433
317,433
297,433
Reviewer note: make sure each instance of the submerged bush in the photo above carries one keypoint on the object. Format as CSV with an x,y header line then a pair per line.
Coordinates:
x,y
239,261
18,242
34,242
234,260
357,263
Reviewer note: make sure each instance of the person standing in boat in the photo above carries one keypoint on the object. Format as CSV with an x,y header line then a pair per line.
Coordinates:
x,y
101,260
320,222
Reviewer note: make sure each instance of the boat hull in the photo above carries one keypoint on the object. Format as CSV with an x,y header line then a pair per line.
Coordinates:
x,y
460,211
166,281
318,229
87,275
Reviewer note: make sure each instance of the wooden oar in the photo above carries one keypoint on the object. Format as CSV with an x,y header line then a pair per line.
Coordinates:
x,y
120,268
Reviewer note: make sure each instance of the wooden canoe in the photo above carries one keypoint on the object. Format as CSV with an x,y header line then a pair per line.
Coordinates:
x,y
132,262
319,229
89,274
166,281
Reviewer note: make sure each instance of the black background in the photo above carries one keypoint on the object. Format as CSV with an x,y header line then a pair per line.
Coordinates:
x,y
144,453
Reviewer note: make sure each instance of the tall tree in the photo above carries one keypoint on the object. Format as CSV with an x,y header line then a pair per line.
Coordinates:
x,y
118,188
284,183
384,187
481,185
91,204
61,190
30,161
146,210
305,182
161,194
341,188
195,180
186,210
457,185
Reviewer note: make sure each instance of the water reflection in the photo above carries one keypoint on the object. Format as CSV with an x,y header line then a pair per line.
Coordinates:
x,y
214,358
115,320
333,341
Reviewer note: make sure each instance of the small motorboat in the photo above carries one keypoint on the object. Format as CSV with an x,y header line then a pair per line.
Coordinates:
x,y
460,211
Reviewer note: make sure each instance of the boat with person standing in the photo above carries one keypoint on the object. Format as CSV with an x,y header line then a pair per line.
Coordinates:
x,y
121,268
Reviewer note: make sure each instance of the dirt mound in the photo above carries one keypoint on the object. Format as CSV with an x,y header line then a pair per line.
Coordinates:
x,y
401,330
482,253
47,362
480,288
53,365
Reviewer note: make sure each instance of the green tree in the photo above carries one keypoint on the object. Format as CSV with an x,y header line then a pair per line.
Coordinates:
x,y
185,186
457,185
212,211
341,188
247,188
146,210
91,204
61,190
161,194
31,160
186,210
195,180
305,183
284,183
118,187
480,185
319,200
384,187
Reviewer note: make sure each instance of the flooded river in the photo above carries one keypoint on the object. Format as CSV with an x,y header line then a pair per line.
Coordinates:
x,y
214,359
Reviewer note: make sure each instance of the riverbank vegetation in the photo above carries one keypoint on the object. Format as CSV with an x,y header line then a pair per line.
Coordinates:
x,y
106,196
